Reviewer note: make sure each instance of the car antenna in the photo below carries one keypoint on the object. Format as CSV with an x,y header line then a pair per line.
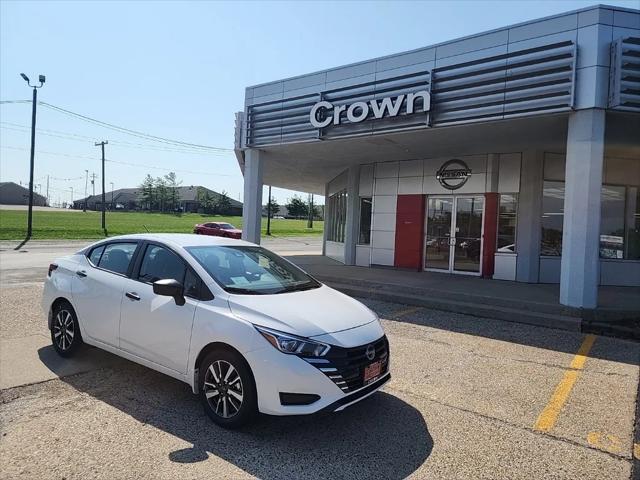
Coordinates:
x,y
145,227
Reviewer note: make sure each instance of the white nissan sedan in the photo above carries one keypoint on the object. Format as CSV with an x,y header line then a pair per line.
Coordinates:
x,y
246,329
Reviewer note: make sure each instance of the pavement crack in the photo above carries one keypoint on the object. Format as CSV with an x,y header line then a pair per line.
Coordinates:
x,y
511,424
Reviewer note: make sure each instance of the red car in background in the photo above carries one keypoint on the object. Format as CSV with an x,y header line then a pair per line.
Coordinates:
x,y
217,229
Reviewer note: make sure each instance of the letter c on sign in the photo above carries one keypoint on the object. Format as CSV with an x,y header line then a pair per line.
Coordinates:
x,y
313,115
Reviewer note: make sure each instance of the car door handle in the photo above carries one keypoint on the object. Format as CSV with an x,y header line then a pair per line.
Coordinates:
x,y
132,295
81,273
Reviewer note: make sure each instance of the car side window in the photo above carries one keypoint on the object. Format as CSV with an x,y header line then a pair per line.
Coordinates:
x,y
160,263
116,257
191,285
96,253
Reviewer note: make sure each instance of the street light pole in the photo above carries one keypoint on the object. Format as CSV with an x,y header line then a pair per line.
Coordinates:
x,y
71,188
104,224
34,103
86,180
269,213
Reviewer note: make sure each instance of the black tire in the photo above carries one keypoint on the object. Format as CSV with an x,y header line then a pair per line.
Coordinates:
x,y
65,330
220,396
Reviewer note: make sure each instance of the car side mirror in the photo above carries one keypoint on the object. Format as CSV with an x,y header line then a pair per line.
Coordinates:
x,y
169,287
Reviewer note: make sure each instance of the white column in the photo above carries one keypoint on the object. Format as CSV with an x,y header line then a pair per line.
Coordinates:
x,y
529,217
580,274
352,221
252,208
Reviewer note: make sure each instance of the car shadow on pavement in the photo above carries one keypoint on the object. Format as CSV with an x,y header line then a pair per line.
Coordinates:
x,y
381,437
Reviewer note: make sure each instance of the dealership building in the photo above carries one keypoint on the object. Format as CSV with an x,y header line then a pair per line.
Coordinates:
x,y
512,154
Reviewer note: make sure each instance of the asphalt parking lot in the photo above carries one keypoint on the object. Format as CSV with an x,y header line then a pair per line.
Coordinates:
x,y
470,398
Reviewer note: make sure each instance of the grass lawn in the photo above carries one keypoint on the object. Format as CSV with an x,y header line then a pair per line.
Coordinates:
x,y
80,225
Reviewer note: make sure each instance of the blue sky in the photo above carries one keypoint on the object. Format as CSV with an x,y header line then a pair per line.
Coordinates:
x,y
179,69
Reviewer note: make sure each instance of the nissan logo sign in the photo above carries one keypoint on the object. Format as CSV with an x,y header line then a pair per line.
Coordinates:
x,y
453,174
370,352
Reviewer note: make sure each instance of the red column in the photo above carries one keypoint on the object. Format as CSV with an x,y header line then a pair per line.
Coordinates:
x,y
490,233
409,231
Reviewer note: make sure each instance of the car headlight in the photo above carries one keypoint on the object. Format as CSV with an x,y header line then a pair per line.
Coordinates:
x,y
293,345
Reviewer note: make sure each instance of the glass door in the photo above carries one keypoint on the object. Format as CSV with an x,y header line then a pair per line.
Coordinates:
x,y
467,247
439,225
453,240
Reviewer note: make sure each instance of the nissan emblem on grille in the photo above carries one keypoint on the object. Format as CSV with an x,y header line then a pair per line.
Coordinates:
x,y
371,352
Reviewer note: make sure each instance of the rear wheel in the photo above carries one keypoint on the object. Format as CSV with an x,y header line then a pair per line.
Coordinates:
x,y
227,389
65,331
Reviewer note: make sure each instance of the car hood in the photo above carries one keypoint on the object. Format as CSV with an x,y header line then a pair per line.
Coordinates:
x,y
307,313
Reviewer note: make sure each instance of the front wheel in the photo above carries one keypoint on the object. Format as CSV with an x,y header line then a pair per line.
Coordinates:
x,y
227,389
65,330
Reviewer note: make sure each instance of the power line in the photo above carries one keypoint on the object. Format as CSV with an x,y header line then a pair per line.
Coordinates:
x,y
84,139
127,131
138,165
135,133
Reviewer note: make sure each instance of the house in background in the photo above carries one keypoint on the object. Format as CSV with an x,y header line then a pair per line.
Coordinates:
x,y
13,194
129,199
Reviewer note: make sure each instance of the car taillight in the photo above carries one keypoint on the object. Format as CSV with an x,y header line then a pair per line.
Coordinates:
x,y
52,267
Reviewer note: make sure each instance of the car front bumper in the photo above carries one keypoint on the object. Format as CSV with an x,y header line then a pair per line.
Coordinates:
x,y
276,373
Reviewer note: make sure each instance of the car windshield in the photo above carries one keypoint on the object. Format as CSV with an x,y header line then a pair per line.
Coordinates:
x,y
251,270
226,226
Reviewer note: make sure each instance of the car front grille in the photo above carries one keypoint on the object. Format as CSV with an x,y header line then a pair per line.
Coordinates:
x,y
345,366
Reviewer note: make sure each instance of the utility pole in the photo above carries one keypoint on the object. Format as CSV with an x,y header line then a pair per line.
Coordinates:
x,y
104,224
269,213
71,188
48,189
86,181
34,103
310,221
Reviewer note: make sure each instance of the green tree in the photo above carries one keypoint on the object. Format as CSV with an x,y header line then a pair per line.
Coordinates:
x,y
206,200
173,194
297,207
272,207
147,187
162,193
223,205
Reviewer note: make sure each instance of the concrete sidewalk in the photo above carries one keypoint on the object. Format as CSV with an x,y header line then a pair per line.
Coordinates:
x,y
619,307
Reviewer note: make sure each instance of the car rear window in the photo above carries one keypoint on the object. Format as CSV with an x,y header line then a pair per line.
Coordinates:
x,y
96,253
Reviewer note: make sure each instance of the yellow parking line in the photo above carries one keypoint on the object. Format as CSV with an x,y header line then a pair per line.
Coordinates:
x,y
549,415
406,311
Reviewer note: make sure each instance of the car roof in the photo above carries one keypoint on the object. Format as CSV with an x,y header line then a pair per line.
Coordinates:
x,y
184,239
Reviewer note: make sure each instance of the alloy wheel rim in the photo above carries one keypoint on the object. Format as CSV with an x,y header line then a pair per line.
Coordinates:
x,y
223,389
63,330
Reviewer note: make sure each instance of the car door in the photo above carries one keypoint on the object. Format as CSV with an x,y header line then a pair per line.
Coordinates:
x,y
97,288
152,326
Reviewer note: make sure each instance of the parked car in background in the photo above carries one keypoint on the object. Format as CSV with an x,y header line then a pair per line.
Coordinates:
x,y
246,329
217,229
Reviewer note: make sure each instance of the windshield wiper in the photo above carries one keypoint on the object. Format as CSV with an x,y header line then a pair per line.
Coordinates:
x,y
246,291
299,288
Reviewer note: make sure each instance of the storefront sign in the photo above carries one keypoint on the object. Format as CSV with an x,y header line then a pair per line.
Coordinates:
x,y
325,113
453,174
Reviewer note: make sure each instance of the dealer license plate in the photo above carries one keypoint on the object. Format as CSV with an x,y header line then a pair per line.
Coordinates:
x,y
372,372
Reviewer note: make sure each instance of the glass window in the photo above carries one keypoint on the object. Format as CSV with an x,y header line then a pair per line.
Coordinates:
x,y
160,263
552,218
191,284
96,253
612,235
507,214
337,216
633,224
251,270
117,257
364,237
